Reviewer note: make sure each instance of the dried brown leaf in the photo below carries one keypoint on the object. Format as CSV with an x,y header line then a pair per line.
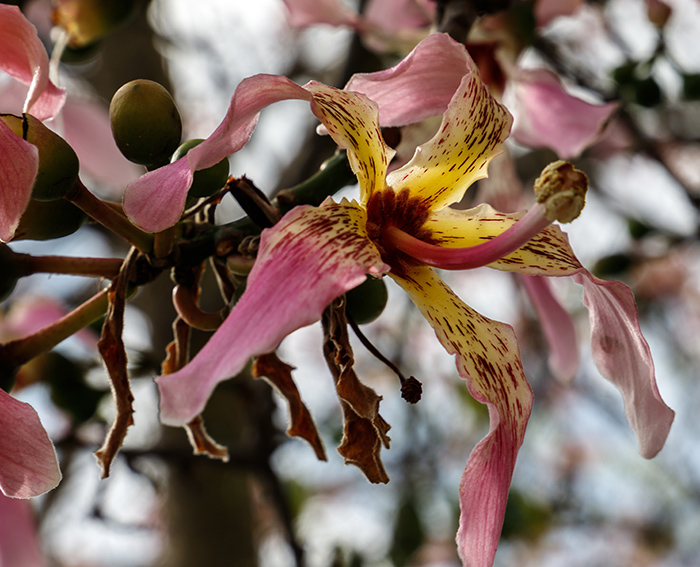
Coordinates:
x,y
113,352
364,429
202,442
279,375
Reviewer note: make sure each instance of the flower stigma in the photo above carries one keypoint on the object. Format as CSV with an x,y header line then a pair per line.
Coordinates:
x,y
560,191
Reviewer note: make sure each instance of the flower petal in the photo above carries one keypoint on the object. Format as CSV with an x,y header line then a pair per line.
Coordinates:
x,y
304,13
28,465
623,357
19,542
547,254
20,163
472,133
421,85
312,256
488,358
557,326
352,121
22,55
156,200
548,116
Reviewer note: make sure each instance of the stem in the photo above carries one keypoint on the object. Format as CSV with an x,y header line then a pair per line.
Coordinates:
x,y
519,234
163,242
69,265
185,302
334,174
108,217
18,352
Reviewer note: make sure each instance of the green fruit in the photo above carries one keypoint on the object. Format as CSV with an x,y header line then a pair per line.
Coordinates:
x,y
367,301
206,181
9,272
58,164
48,220
146,124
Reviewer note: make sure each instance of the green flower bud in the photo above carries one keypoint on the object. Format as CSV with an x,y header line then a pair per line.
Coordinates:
x,y
146,124
58,164
48,220
86,21
206,181
367,301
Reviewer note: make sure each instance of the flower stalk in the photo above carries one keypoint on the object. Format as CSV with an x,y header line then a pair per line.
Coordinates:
x,y
108,217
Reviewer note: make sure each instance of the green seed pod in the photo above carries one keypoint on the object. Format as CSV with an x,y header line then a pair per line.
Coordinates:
x,y
206,181
48,220
58,164
10,272
367,301
146,124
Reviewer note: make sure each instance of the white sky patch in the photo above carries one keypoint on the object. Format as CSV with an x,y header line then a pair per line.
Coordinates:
x,y
644,188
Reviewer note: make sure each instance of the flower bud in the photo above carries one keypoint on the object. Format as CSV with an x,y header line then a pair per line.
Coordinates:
x,y
146,124
367,301
86,21
206,181
58,164
48,220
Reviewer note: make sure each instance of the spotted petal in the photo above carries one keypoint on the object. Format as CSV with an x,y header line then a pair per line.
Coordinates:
x,y
472,133
28,465
312,256
20,163
23,56
488,358
622,356
548,253
352,121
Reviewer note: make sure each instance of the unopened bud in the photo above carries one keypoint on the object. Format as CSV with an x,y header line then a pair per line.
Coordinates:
x,y
146,124
561,189
207,181
48,220
58,164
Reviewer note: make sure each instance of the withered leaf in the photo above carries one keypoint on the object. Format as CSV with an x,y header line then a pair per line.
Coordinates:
x,y
364,429
279,375
113,352
202,442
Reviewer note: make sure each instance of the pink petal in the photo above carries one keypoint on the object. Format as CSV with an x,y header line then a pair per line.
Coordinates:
x,y
393,16
28,464
156,200
304,13
488,358
23,56
19,542
421,85
312,256
623,357
557,326
20,163
86,128
31,313
550,117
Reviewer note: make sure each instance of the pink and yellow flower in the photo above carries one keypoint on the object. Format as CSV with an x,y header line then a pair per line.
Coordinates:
x,y
401,226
